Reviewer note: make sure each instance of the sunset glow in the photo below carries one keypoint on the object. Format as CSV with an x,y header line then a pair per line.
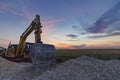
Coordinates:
x,y
68,24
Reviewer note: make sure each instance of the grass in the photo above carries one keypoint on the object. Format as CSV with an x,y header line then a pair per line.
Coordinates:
x,y
104,54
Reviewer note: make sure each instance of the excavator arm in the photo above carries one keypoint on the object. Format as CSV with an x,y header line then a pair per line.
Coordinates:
x,y
35,25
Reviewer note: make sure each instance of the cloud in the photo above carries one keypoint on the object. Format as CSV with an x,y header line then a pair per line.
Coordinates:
x,y
78,47
28,15
107,21
68,46
61,44
72,36
78,29
74,40
75,27
106,35
23,11
54,21
48,25
4,40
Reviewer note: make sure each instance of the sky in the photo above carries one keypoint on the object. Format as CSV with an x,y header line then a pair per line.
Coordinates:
x,y
67,24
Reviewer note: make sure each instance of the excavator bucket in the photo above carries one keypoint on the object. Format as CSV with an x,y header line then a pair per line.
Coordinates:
x,y
43,57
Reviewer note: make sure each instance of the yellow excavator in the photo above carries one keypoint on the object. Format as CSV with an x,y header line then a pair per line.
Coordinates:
x,y
18,52
38,53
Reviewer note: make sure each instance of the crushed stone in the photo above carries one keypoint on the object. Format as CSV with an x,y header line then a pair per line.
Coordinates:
x,y
81,68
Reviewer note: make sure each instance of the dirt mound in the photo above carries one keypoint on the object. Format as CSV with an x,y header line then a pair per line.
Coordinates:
x,y
82,68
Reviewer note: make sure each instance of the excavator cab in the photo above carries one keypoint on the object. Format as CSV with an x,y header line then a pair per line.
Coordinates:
x,y
27,47
26,51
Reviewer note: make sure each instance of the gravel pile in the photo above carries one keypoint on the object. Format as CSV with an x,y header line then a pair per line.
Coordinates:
x,y
15,71
82,68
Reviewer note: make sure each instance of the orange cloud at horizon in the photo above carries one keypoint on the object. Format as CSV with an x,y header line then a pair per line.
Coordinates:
x,y
67,46
63,46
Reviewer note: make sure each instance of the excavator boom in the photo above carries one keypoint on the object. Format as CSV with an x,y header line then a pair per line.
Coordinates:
x,y
35,25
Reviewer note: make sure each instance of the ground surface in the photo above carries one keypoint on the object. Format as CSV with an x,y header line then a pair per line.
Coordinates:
x,y
81,68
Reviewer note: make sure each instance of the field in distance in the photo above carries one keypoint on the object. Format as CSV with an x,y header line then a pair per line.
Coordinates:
x,y
104,54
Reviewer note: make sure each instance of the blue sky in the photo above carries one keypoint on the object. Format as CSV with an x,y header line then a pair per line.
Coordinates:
x,y
70,24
